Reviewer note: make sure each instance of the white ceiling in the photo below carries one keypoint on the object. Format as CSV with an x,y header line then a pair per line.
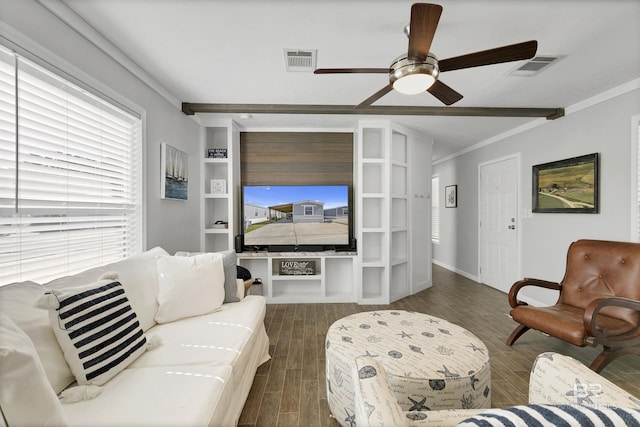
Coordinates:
x,y
231,51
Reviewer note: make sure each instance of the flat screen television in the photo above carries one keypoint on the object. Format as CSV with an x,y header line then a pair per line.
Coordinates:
x,y
296,217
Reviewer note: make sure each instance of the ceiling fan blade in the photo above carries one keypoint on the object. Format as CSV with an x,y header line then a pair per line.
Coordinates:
x,y
514,52
422,28
444,93
351,70
373,98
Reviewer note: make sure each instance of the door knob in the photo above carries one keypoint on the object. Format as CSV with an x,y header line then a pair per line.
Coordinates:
x,y
511,227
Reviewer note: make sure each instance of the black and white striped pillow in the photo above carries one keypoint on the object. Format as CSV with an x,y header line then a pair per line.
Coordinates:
x,y
96,328
555,415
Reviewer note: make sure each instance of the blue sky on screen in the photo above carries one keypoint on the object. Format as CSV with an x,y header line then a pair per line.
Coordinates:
x,y
270,195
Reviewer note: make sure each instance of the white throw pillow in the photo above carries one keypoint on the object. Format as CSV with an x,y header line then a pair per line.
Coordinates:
x,y
97,329
139,277
26,397
189,286
16,302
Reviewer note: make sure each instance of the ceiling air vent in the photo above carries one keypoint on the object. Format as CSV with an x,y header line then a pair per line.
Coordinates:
x,y
300,59
534,66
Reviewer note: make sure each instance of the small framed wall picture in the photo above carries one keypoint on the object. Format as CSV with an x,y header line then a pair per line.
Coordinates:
x,y
451,196
218,186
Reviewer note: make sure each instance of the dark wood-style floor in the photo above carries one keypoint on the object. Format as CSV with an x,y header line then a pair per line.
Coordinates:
x,y
289,390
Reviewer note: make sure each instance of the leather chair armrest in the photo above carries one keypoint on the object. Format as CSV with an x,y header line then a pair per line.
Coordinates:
x,y
601,334
516,287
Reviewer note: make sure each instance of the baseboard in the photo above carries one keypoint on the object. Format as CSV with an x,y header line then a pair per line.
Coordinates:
x,y
531,301
455,270
421,286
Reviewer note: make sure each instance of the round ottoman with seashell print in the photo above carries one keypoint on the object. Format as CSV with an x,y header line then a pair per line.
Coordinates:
x,y
431,364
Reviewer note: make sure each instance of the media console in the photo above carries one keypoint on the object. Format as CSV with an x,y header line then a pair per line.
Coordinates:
x,y
303,277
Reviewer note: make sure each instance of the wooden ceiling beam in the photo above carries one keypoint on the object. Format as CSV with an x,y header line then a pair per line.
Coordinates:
x,y
190,108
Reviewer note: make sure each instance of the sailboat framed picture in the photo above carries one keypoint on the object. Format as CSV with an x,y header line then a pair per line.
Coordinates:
x,y
174,173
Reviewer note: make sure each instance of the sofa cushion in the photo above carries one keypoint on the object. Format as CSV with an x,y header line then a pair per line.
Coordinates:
x,y
139,276
17,302
189,286
555,415
96,327
230,273
219,338
230,276
26,397
175,396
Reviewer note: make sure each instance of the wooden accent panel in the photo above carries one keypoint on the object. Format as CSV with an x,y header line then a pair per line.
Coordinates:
x,y
296,158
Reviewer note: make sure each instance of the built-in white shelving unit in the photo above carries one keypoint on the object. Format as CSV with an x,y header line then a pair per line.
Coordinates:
x,y
392,170
219,187
391,217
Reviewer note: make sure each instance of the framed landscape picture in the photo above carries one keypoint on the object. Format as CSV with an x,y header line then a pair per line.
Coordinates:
x,y
567,186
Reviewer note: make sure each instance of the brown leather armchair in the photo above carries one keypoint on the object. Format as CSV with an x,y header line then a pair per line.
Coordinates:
x,y
599,301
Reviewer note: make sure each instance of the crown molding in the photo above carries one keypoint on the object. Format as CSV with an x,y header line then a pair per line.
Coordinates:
x,y
86,30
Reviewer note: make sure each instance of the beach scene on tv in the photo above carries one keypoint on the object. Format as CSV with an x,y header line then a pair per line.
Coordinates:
x,y
296,215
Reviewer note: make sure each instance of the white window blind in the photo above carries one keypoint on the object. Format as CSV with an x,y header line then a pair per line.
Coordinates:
x,y
435,209
71,170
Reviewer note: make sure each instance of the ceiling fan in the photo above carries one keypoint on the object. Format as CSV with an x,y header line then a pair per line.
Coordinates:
x,y
418,70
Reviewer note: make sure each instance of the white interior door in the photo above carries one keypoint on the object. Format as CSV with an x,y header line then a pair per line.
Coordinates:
x,y
499,246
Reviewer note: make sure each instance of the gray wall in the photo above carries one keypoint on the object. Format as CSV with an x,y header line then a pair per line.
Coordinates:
x,y
604,128
169,223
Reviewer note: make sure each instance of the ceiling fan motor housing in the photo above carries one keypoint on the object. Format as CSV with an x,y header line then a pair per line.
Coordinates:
x,y
403,67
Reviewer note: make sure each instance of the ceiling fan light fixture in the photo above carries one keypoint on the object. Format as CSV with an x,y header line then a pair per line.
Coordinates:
x,y
410,77
413,84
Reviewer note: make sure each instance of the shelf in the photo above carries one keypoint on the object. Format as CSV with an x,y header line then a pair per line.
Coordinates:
x,y
374,143
293,277
215,242
399,147
372,230
372,177
373,263
216,230
373,161
216,195
398,180
373,282
334,280
215,160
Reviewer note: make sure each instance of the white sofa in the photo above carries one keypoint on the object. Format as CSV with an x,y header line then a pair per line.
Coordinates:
x,y
562,391
198,371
